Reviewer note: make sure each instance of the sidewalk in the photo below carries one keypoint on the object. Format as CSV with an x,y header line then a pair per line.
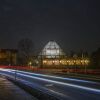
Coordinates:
x,y
9,91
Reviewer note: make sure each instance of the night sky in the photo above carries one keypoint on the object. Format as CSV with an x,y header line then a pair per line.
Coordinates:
x,y
74,24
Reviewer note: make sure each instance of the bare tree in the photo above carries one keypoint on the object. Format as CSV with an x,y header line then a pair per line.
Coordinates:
x,y
25,48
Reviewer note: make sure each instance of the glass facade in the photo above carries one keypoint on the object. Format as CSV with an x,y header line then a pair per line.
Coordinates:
x,y
52,50
52,54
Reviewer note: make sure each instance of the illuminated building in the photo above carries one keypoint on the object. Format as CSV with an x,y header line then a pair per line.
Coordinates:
x,y
52,50
8,56
53,55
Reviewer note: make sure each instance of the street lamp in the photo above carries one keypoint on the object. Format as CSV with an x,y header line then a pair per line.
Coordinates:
x,y
15,73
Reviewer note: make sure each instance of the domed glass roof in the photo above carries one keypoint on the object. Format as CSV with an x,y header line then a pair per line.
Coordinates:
x,y
52,50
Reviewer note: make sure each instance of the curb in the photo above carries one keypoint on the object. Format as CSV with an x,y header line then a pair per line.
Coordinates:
x,y
34,92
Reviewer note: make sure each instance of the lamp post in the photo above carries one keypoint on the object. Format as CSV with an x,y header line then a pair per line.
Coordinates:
x,y
41,61
85,69
15,73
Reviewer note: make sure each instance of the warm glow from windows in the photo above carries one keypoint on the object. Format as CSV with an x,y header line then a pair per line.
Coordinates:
x,y
66,62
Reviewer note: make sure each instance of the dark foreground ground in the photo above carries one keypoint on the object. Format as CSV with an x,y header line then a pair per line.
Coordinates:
x,y
9,91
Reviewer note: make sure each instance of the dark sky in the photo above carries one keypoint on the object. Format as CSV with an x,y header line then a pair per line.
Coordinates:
x,y
74,24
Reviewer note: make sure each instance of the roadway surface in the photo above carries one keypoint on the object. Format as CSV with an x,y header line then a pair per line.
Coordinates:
x,y
60,87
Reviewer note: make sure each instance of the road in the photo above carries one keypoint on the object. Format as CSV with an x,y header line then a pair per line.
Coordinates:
x,y
60,87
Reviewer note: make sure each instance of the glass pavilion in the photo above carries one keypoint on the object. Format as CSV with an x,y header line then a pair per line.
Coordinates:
x,y
52,50
52,54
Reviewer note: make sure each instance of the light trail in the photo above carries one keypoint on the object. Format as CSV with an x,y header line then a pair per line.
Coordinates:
x,y
78,80
55,82
62,83
71,79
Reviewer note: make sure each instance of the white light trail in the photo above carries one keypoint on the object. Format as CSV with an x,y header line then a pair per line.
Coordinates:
x,y
71,79
62,83
52,81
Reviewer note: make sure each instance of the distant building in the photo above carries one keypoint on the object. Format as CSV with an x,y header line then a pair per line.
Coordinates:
x,y
52,50
53,55
8,56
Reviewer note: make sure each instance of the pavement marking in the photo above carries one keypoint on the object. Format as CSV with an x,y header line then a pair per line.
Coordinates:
x,y
49,85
